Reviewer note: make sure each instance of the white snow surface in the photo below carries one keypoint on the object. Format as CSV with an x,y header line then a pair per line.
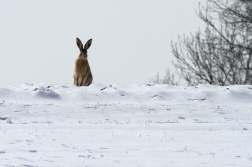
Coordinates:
x,y
115,125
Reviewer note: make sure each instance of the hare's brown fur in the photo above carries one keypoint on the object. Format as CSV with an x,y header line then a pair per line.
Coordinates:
x,y
82,71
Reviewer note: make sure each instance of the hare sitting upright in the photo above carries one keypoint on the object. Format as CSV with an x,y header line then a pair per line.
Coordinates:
x,y
82,72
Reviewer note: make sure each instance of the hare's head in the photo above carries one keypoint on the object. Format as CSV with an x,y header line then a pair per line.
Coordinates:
x,y
83,50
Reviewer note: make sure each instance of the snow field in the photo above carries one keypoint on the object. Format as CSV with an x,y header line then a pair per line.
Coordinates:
x,y
116,125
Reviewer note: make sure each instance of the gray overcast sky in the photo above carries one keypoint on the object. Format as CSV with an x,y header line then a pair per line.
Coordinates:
x,y
131,38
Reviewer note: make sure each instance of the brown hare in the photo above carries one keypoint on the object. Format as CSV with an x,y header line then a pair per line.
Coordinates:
x,y
82,72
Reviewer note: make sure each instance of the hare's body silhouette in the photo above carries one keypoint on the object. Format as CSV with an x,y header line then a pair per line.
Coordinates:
x,y
82,71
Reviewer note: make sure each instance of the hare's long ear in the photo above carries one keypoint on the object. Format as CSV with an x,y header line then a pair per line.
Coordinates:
x,y
88,44
79,43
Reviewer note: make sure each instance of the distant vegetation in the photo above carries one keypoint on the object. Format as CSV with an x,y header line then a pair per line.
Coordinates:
x,y
168,79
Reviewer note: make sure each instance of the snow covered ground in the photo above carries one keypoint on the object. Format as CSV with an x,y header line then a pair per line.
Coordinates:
x,y
138,125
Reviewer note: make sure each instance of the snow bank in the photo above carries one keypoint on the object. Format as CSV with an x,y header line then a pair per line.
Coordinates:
x,y
133,93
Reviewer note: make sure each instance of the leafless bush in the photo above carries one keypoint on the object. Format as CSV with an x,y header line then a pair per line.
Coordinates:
x,y
221,55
